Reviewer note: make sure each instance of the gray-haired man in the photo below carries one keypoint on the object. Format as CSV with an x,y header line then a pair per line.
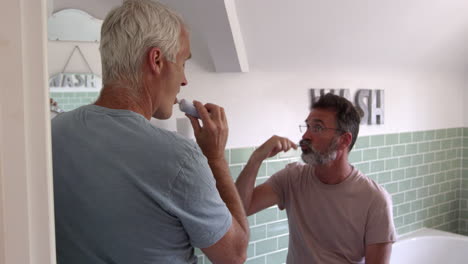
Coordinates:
x,y
126,191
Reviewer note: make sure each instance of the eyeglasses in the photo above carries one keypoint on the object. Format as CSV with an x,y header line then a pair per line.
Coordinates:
x,y
317,129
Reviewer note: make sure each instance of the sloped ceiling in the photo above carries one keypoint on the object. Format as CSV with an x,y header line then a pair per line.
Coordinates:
x,y
287,35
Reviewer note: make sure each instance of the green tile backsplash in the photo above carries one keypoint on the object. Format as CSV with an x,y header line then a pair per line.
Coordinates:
x,y
426,172
71,100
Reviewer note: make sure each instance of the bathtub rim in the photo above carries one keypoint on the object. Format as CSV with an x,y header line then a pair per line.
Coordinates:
x,y
428,232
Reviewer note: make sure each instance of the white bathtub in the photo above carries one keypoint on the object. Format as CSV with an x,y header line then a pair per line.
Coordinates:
x,y
430,246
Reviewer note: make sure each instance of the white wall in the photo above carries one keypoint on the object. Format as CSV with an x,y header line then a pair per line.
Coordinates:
x,y
260,104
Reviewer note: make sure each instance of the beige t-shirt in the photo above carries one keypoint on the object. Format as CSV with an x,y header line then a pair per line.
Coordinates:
x,y
332,223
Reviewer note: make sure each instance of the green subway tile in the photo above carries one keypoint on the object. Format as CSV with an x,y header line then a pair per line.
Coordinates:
x,y
423,192
435,167
283,242
411,149
282,214
445,187
369,154
441,155
410,218
262,171
465,142
423,147
257,260
197,252
355,156
240,155
416,205
451,154
398,175
404,208
251,250
451,132
362,142
444,208
465,132
406,137
399,150
405,161
385,152
377,141
260,181
266,246
277,257
235,170
417,160
398,198
391,164
456,142
227,153
441,133
446,144
404,185
428,201
418,136
429,179
363,167
391,139
460,132
276,229
265,216
435,145
398,221
429,135
440,177
391,187
257,233
373,176
421,215
434,189
411,172
377,166
429,157
275,166
251,220
384,177
417,182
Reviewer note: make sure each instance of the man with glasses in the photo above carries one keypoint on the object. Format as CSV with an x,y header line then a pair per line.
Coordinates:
x,y
336,214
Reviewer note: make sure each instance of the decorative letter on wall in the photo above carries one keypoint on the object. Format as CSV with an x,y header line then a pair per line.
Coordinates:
x,y
371,102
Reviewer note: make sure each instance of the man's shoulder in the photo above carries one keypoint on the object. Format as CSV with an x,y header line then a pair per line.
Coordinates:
x,y
372,188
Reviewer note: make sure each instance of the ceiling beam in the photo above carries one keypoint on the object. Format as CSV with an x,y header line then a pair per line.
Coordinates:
x,y
219,24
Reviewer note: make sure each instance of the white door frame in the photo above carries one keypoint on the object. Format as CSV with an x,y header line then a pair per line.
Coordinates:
x,y
27,232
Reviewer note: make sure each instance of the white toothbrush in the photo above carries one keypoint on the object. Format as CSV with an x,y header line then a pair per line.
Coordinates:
x,y
188,108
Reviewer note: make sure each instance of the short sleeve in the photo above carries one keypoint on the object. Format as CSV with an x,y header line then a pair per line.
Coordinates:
x,y
197,204
280,184
380,227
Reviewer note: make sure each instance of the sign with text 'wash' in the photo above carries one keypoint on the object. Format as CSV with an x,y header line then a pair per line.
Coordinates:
x,y
75,82
371,102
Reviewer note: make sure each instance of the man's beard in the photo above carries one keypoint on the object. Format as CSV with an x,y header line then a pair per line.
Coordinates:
x,y
314,157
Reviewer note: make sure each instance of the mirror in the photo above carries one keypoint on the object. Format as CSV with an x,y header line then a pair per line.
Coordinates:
x,y
74,60
74,25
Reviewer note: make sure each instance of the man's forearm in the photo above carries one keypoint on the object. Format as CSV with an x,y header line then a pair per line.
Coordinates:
x,y
246,182
228,192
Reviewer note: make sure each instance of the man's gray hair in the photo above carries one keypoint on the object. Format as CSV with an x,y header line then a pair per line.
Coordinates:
x,y
129,31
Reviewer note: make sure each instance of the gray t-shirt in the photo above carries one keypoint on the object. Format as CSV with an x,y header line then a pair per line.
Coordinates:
x,y
332,223
128,192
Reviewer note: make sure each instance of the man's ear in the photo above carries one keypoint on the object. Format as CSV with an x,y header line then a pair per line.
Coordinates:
x,y
346,140
155,60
